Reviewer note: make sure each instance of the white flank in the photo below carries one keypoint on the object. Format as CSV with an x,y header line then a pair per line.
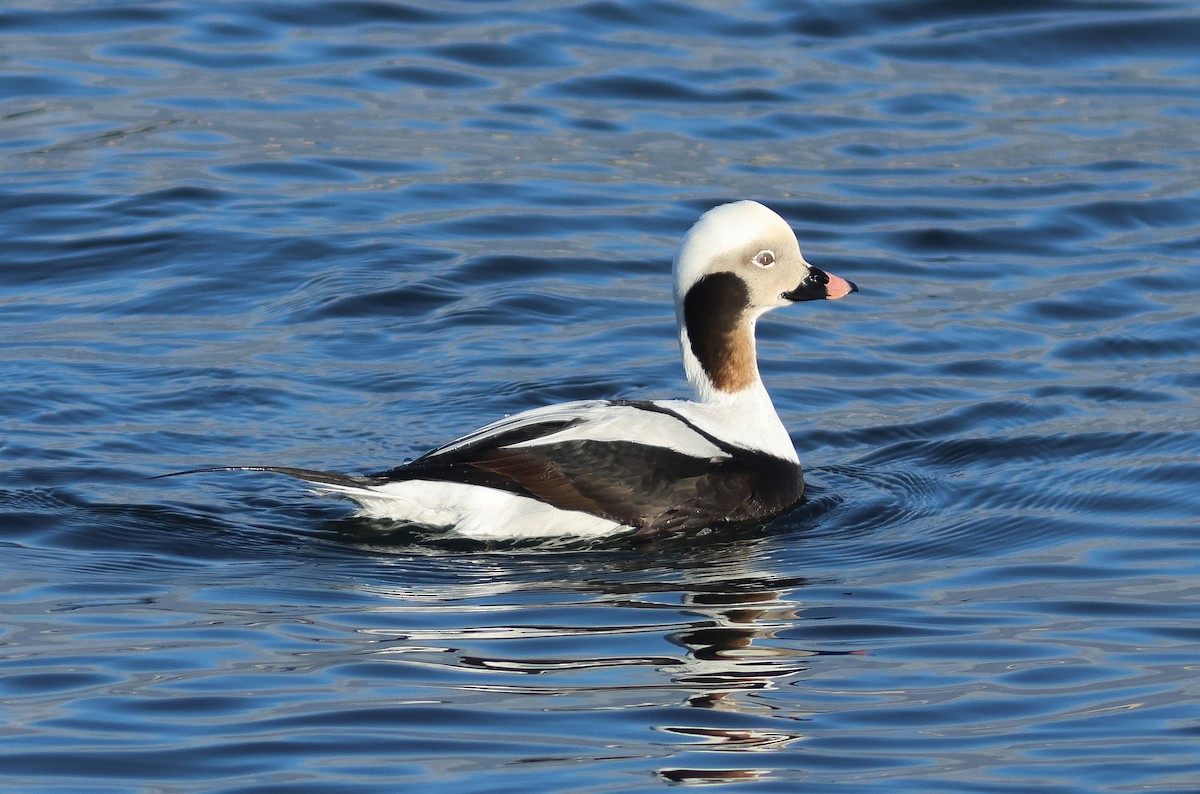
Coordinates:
x,y
472,511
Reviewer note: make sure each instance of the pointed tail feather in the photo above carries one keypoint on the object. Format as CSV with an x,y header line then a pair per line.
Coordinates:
x,y
308,475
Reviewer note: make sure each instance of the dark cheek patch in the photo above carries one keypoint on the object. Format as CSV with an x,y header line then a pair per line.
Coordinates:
x,y
713,313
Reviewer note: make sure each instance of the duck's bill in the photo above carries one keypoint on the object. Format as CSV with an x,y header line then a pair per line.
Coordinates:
x,y
819,285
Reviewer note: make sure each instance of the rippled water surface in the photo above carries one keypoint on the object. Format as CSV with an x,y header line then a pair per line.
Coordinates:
x,y
336,234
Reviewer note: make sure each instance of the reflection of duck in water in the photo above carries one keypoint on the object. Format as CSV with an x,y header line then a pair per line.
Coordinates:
x,y
693,637
723,659
723,662
608,466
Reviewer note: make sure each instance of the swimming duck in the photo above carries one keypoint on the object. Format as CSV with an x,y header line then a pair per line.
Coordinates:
x,y
600,467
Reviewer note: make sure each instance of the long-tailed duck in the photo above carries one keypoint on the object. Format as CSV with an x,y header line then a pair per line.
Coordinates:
x,y
599,467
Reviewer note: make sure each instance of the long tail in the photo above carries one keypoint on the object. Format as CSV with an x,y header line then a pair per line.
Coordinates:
x,y
307,475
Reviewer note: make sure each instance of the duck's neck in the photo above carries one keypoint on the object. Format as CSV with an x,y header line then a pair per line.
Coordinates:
x,y
722,366
716,329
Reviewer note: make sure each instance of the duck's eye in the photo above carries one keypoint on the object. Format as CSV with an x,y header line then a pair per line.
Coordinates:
x,y
764,258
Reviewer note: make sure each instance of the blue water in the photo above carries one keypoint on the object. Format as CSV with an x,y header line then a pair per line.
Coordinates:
x,y
336,234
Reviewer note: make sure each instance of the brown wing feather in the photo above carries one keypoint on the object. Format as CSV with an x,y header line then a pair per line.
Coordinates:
x,y
646,487
541,478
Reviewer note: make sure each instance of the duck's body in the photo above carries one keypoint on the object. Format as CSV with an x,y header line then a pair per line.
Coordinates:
x,y
599,467
585,468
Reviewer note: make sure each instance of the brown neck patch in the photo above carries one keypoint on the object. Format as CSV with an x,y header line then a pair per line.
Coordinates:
x,y
714,312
